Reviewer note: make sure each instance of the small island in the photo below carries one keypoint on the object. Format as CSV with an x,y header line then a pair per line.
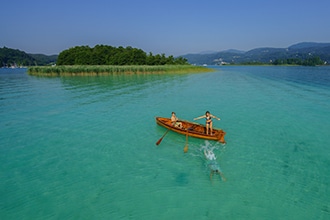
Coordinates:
x,y
107,60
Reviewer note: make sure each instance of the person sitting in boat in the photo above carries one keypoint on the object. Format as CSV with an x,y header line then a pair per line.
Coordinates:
x,y
213,165
208,116
175,121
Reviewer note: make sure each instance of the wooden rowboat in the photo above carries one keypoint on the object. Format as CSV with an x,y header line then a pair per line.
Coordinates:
x,y
192,129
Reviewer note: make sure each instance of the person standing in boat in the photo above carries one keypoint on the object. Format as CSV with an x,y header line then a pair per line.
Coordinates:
x,y
208,116
175,121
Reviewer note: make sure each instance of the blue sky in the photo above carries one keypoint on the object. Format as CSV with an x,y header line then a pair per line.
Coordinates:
x,y
173,27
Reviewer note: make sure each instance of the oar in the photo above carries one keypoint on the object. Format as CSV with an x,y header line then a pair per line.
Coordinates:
x,y
160,140
185,149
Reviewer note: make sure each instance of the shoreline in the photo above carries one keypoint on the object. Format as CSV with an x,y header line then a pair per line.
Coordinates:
x,y
101,70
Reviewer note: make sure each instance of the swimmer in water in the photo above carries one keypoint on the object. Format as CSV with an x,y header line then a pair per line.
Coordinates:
x,y
209,155
213,165
216,171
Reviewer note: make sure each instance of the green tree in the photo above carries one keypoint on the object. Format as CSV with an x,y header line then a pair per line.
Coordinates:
x,y
108,55
314,61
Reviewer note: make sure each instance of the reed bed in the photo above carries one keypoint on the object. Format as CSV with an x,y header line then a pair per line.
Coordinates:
x,y
102,70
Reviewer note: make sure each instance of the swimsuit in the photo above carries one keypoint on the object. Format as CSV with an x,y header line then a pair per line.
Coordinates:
x,y
208,120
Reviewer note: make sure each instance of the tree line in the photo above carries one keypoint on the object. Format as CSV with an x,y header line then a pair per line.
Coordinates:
x,y
109,55
313,61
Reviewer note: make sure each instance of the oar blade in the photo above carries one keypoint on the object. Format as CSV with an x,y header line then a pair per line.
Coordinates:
x,y
185,149
158,142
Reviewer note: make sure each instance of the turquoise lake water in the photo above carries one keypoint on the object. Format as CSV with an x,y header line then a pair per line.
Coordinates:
x,y
84,147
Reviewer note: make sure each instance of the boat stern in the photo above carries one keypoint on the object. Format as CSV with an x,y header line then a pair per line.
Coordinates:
x,y
221,137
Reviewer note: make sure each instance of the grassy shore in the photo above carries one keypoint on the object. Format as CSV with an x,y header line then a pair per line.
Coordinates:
x,y
78,70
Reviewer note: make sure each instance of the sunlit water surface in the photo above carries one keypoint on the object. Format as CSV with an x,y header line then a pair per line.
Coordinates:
x,y
84,147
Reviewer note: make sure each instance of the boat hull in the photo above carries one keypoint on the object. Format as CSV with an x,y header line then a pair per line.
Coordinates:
x,y
192,129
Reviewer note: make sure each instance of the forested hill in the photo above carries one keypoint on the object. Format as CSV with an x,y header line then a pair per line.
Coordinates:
x,y
301,53
16,58
109,55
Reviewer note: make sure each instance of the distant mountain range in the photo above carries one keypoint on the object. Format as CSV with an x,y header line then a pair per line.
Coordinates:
x,y
13,57
301,51
16,58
